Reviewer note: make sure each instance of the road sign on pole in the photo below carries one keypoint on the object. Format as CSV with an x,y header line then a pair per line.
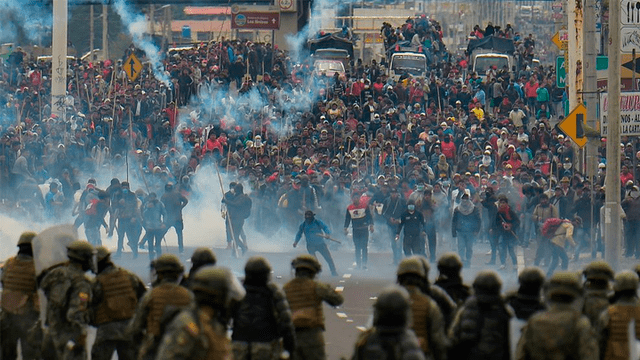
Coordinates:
x,y
132,67
573,125
561,39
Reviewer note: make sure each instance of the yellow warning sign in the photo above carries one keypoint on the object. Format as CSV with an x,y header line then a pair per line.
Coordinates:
x,y
132,67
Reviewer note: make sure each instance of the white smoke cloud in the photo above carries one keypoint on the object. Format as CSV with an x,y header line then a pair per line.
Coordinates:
x,y
137,25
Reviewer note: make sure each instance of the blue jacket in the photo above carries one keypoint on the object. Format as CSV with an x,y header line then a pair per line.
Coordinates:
x,y
311,232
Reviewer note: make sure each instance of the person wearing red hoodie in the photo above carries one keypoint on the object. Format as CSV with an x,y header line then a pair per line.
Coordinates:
x,y
213,143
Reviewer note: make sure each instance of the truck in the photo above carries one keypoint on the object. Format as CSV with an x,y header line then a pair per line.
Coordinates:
x,y
406,60
331,47
491,51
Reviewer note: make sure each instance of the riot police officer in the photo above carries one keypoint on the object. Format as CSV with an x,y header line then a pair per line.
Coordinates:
x,y
390,337
561,332
145,324
116,293
427,320
263,318
68,292
20,306
305,296
198,332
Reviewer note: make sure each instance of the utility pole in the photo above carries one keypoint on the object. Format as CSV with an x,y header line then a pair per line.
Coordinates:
x,y
105,31
152,19
612,220
91,33
59,58
574,60
590,96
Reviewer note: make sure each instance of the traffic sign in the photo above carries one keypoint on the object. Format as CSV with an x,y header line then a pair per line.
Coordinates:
x,y
256,20
561,39
132,67
602,64
573,125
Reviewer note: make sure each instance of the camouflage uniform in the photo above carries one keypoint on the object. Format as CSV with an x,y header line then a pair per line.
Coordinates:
x,y
198,331
561,332
613,324
195,334
305,296
20,307
390,338
428,324
68,292
116,292
597,292
427,320
149,312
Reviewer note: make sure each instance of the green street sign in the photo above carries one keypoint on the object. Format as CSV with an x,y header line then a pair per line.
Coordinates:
x,y
602,64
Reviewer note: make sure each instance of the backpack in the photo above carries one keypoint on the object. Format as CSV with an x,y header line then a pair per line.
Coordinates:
x,y
550,226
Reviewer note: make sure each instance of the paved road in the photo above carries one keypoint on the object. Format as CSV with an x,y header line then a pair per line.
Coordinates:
x,y
359,287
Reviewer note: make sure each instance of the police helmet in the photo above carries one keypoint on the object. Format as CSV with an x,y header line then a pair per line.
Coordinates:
x,y
168,263
26,238
449,262
391,307
203,256
306,261
257,265
564,283
598,270
411,265
214,282
637,269
531,276
80,250
425,264
102,253
625,280
487,282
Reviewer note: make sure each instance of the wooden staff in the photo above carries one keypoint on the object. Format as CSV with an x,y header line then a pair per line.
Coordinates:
x,y
228,216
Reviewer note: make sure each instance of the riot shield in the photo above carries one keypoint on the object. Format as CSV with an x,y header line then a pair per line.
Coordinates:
x,y
50,246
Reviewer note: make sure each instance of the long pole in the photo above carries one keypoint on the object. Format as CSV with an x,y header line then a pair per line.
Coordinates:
x,y
105,31
91,33
59,57
228,216
612,195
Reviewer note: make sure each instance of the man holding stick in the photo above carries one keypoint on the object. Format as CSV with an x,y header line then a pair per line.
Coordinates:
x,y
315,231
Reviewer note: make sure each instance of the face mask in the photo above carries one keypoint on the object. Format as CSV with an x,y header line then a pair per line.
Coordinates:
x,y
411,207
566,166
634,194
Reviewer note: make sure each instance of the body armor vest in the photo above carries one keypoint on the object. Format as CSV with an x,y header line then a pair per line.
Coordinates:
x,y
305,304
219,346
618,342
119,300
420,307
19,286
161,296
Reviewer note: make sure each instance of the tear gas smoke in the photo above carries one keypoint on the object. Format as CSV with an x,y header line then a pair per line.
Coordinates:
x,y
137,25
17,20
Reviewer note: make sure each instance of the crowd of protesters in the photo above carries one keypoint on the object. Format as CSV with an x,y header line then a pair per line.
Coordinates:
x,y
302,140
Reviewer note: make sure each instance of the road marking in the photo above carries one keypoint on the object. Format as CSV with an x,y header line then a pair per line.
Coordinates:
x,y
361,328
520,257
346,276
341,315
339,288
